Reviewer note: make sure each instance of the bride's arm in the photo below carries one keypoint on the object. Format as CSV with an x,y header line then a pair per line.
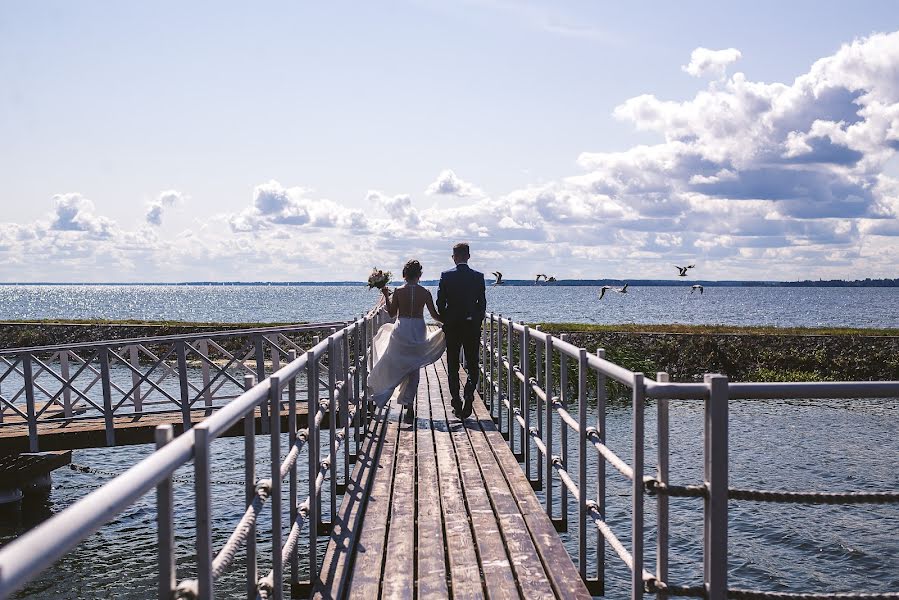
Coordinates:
x,y
391,302
429,302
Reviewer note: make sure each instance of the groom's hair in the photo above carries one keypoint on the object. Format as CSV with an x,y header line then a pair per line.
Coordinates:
x,y
461,250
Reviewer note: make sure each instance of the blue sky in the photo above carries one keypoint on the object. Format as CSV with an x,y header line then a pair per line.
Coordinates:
x,y
176,141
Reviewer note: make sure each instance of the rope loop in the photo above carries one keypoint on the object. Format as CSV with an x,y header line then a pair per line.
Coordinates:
x,y
264,486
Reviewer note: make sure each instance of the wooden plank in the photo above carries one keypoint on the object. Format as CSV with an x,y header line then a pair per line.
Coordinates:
x,y
499,578
368,556
563,575
431,561
130,430
399,566
333,579
464,572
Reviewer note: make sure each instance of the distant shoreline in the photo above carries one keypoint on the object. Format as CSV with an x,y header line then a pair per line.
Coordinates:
x,y
509,282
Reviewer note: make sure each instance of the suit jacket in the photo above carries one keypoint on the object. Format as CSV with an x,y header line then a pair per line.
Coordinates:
x,y
461,295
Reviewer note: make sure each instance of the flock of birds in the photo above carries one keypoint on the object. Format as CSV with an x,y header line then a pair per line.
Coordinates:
x,y
681,272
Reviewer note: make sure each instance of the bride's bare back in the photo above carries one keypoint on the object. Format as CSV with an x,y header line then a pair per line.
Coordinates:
x,y
410,300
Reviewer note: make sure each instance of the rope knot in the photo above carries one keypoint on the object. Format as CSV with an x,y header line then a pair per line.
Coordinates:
x,y
264,486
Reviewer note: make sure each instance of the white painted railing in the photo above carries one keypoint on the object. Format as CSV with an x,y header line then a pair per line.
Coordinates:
x,y
137,377
518,397
344,356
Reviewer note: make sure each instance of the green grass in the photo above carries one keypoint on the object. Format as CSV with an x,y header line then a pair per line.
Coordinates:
x,y
711,329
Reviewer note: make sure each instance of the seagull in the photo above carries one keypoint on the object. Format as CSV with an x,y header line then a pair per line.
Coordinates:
x,y
683,270
499,278
551,279
621,290
603,290
696,287
539,275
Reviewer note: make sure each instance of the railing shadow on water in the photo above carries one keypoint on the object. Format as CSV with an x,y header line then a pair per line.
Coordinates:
x,y
527,385
337,368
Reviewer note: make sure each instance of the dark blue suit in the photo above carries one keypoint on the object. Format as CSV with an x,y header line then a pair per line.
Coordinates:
x,y
462,305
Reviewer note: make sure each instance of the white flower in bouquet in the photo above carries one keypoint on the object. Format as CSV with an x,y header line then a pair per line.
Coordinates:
x,y
378,278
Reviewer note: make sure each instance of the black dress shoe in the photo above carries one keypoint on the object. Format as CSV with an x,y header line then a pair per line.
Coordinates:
x,y
409,418
467,410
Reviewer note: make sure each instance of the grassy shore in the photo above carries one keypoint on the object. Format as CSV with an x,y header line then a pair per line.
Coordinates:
x,y
685,352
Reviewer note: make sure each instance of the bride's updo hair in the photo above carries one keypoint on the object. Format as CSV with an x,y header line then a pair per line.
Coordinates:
x,y
412,270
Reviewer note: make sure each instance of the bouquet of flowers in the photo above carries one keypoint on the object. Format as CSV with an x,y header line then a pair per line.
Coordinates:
x,y
378,278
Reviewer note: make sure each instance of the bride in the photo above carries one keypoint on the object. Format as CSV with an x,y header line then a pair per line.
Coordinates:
x,y
400,349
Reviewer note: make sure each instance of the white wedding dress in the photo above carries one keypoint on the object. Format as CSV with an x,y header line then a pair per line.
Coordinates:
x,y
399,351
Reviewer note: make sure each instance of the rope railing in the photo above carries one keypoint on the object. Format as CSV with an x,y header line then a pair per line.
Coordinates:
x,y
506,364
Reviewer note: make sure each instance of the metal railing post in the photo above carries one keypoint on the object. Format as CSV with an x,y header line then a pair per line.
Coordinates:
x,y
662,499
582,463
539,373
203,493
332,429
292,440
563,433
491,364
203,348
134,358
28,376
345,403
182,382
260,376
510,412
356,397
638,397
165,522
107,396
67,389
601,470
249,453
548,426
524,393
313,442
274,394
500,390
716,464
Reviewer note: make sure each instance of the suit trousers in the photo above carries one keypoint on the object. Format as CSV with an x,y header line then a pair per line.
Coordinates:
x,y
464,336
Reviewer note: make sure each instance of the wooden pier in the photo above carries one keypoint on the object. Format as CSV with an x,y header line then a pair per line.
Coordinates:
x,y
440,509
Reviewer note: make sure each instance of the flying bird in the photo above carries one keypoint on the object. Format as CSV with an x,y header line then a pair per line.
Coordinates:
x,y
539,275
551,279
696,287
683,270
603,290
499,278
621,290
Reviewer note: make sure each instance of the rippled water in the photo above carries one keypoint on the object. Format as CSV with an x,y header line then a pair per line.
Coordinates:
x,y
849,307
799,445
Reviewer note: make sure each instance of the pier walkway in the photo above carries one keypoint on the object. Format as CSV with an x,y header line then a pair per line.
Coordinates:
x,y
437,508
441,509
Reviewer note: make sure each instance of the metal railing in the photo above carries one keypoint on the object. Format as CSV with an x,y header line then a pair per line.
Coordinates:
x,y
344,355
137,377
529,405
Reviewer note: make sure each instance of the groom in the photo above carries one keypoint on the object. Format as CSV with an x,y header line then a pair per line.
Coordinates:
x,y
462,305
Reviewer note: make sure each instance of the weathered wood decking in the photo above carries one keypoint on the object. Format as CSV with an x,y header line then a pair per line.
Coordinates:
x,y
76,434
441,509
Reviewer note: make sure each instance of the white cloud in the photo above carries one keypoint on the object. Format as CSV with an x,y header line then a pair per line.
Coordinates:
x,y
448,183
74,212
749,179
711,62
155,208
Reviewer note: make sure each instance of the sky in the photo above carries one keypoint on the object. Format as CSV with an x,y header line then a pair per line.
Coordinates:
x,y
297,141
